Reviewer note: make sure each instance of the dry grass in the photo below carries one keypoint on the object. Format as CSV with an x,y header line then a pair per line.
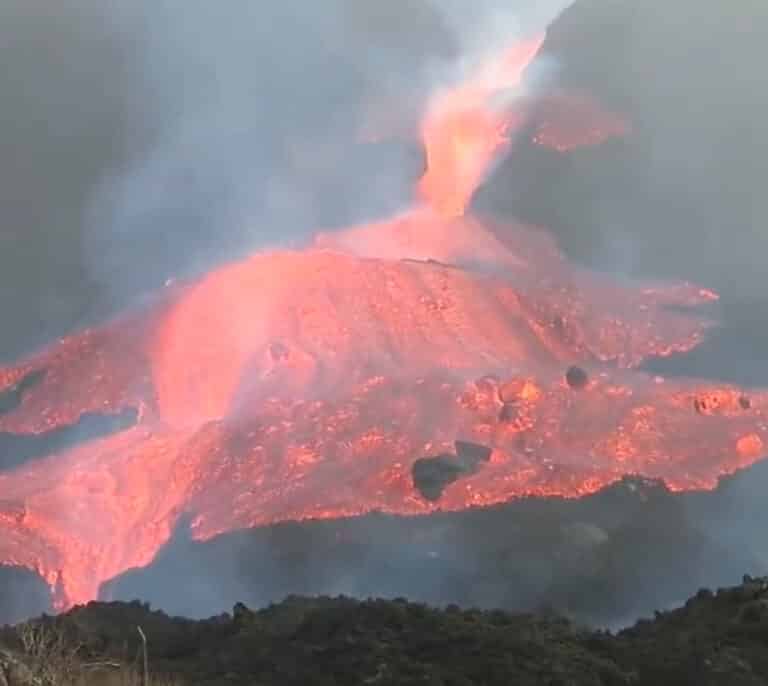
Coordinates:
x,y
50,659
54,661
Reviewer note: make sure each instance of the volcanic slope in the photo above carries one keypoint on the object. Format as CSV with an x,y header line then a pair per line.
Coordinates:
x,y
306,383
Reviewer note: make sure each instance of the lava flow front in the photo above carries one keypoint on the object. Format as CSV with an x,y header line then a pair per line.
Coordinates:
x,y
431,360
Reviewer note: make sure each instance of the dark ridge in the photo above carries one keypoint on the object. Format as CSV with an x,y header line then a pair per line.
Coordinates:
x,y
11,398
23,594
604,559
714,638
16,449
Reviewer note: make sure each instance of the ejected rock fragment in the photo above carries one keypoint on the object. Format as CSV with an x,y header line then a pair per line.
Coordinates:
x,y
576,377
432,475
508,413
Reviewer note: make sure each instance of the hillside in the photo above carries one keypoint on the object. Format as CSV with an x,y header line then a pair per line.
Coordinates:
x,y
714,639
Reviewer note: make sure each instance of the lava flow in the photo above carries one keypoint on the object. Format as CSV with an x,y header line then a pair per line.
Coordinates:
x,y
309,383
465,127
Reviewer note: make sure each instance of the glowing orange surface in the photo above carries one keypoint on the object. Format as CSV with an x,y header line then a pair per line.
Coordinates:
x,y
466,127
305,383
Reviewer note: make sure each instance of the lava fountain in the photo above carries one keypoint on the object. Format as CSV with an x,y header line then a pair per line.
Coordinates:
x,y
331,381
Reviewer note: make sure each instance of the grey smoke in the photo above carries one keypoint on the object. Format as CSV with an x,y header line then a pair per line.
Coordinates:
x,y
260,107
141,141
64,81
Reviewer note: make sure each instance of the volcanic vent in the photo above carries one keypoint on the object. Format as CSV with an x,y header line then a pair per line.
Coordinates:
x,y
401,366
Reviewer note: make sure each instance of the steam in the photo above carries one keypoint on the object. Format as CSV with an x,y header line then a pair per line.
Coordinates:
x,y
66,80
257,110
144,141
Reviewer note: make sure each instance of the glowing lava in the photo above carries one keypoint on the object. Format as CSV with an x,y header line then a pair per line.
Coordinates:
x,y
465,129
306,383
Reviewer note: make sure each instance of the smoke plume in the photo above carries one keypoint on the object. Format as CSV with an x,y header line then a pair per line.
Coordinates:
x,y
144,142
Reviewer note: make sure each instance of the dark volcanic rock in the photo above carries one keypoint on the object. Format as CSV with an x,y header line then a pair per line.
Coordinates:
x,y
431,475
576,377
472,454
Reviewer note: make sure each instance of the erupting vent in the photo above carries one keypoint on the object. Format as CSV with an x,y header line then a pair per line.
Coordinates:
x,y
433,360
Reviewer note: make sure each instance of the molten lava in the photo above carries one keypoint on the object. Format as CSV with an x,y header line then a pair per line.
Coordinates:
x,y
307,383
465,129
